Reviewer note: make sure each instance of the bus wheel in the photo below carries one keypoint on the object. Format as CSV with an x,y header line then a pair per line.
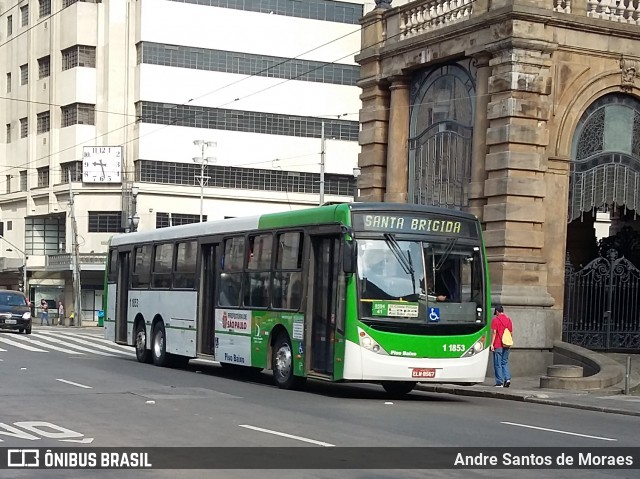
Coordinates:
x,y
159,346
142,353
398,388
283,364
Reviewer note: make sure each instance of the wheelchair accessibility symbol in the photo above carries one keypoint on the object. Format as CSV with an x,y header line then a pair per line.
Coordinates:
x,y
434,315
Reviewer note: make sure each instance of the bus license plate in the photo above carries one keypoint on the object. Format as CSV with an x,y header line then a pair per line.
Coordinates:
x,y
10,321
423,373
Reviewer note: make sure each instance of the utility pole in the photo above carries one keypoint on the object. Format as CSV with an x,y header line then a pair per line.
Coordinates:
x,y
75,263
204,160
322,156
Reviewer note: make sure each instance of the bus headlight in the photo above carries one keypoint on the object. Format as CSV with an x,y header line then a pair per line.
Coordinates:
x,y
476,348
367,342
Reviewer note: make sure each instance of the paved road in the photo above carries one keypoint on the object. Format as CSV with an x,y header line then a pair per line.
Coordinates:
x,y
95,389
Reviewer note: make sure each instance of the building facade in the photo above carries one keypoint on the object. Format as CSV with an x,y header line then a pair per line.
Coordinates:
x,y
527,114
130,85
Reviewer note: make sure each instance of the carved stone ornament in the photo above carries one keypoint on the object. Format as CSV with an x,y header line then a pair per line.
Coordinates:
x,y
383,3
629,70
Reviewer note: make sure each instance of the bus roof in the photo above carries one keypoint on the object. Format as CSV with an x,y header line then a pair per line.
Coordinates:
x,y
328,213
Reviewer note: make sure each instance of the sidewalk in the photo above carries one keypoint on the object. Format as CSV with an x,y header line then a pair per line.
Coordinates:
x,y
527,389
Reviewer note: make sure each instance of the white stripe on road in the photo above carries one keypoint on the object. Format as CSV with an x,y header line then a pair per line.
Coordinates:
x,y
93,338
290,436
558,431
88,343
74,384
46,345
3,350
22,346
74,346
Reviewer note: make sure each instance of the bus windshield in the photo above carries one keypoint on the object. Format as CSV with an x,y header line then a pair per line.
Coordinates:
x,y
420,282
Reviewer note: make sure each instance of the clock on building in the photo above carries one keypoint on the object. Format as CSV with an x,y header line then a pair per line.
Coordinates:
x,y
102,164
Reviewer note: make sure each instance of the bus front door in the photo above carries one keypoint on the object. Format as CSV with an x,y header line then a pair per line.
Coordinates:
x,y
323,301
122,297
206,303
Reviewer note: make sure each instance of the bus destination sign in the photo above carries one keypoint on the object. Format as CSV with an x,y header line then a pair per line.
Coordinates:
x,y
399,223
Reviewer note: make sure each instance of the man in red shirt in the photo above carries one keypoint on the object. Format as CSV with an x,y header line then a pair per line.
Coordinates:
x,y
499,323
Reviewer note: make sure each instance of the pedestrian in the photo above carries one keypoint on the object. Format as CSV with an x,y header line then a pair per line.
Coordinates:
x,y
499,323
44,315
60,313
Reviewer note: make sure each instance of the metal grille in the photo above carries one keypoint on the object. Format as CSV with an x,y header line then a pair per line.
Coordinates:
x,y
442,164
606,156
602,305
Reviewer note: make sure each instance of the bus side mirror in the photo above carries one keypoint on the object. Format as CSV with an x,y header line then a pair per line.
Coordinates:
x,y
349,256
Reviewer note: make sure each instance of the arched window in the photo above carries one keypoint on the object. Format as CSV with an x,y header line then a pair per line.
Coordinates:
x,y
441,127
606,156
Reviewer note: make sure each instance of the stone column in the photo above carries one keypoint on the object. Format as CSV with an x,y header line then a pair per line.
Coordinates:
x,y
374,114
514,215
398,144
480,123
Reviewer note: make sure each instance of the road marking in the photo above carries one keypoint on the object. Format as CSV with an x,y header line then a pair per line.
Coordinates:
x,y
3,350
50,346
92,338
558,431
290,436
22,346
68,337
74,346
84,440
74,384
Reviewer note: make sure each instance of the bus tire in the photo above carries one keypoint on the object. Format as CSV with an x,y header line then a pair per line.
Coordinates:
x,y
282,364
143,355
159,346
398,388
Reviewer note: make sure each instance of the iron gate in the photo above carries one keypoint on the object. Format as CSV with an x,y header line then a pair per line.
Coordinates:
x,y
602,305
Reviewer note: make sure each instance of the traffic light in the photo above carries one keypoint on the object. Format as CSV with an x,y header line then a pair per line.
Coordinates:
x,y
21,271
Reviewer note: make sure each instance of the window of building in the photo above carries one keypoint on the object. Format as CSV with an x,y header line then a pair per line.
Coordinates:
x,y
45,8
230,289
258,276
45,235
141,267
162,265
44,67
8,183
24,127
9,225
165,172
43,177
23,180
78,56
10,25
164,220
105,221
8,132
8,82
24,15
184,273
24,74
68,3
43,122
73,168
78,114
287,276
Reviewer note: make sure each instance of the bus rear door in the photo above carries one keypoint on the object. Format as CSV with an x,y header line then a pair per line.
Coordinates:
x,y
122,296
206,299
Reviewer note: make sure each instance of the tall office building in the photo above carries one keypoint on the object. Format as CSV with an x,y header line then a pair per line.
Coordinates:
x,y
102,103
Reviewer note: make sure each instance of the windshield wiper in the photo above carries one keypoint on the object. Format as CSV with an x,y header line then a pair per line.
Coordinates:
x,y
404,261
445,255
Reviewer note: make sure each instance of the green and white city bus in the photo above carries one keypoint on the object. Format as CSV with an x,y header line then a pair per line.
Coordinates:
x,y
372,292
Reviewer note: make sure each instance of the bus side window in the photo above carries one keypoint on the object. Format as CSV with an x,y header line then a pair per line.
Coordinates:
x,y
230,284
141,267
257,278
287,277
184,274
163,259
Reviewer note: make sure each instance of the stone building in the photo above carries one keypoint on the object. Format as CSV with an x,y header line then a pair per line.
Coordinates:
x,y
524,112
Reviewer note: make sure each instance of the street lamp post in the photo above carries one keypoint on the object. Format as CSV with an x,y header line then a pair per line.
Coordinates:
x,y
134,218
24,263
202,147
356,174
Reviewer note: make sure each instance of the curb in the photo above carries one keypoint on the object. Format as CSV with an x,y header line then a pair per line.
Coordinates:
x,y
522,397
